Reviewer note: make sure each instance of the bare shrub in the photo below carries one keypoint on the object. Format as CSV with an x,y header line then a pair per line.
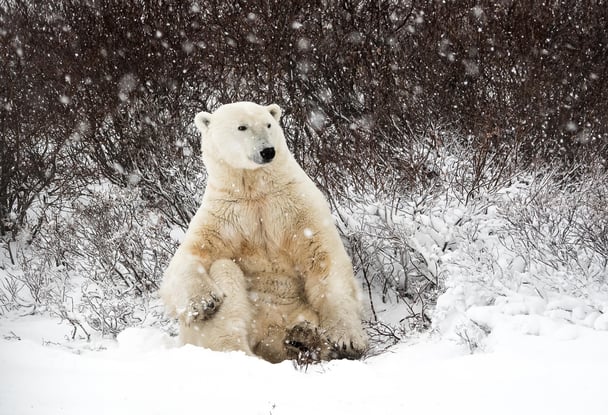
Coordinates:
x,y
361,80
412,117
109,309
97,261
559,225
11,294
110,236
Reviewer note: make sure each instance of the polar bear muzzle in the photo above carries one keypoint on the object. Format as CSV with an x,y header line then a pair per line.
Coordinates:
x,y
266,155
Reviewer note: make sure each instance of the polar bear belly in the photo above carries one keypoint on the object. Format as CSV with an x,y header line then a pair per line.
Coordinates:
x,y
276,292
271,280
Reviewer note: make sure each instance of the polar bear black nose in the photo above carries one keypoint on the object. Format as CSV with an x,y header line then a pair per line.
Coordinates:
x,y
267,154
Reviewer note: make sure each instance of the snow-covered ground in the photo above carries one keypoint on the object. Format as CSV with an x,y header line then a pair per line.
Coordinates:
x,y
561,371
520,327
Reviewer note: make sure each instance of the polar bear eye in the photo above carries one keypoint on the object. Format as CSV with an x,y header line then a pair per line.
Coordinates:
x,y
242,127
268,125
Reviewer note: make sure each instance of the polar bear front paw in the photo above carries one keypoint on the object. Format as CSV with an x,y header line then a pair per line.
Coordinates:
x,y
202,307
347,342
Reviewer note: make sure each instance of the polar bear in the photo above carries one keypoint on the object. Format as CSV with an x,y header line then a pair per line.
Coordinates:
x,y
262,268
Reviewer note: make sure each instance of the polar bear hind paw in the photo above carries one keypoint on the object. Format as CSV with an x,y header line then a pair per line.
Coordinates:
x,y
308,344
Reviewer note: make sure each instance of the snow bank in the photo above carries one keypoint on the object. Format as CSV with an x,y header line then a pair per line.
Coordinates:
x,y
509,270
145,373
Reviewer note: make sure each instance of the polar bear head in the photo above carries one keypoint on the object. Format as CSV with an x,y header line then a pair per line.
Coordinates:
x,y
244,135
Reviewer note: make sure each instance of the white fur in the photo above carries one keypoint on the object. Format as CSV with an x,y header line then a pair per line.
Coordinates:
x,y
264,241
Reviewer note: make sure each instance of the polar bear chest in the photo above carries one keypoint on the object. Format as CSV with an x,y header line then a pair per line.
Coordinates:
x,y
257,225
260,237
256,235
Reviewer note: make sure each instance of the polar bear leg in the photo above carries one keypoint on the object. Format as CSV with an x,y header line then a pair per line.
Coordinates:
x,y
228,328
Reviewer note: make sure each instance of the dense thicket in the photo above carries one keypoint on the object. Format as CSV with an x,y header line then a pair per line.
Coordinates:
x,y
414,117
108,88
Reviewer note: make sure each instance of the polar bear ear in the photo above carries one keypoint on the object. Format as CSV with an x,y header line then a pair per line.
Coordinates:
x,y
275,111
202,121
